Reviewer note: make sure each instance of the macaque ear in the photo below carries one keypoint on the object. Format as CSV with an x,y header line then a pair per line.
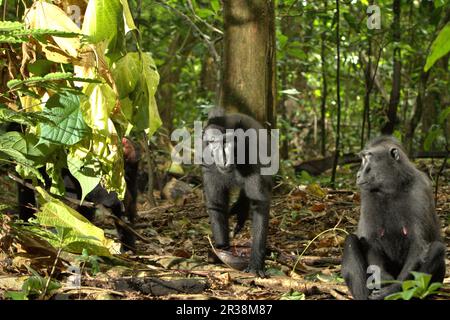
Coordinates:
x,y
395,153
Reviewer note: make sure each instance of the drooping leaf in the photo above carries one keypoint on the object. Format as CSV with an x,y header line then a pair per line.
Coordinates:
x,y
84,168
102,19
80,232
128,16
44,15
147,115
126,73
97,109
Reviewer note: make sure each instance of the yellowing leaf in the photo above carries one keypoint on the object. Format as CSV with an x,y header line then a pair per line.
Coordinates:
x,y
79,232
97,110
44,15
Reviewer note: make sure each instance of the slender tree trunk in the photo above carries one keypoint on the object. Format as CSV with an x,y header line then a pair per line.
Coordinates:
x,y
170,75
338,96
324,91
369,80
417,111
249,64
394,99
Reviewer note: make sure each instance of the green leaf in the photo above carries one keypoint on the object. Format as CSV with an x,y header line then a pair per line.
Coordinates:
x,y
444,115
96,110
439,48
102,19
129,22
435,132
293,296
439,3
147,115
394,296
69,126
84,168
205,13
25,144
433,288
126,73
422,279
10,25
16,295
215,5
408,284
80,232
25,118
407,295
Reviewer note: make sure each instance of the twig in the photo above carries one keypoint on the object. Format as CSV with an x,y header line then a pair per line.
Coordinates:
x,y
51,273
203,21
150,186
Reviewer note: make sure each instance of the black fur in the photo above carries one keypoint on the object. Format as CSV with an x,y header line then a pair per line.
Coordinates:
x,y
398,229
125,210
254,197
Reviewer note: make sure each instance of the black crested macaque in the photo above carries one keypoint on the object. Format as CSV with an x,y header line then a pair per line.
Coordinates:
x,y
222,175
398,230
125,210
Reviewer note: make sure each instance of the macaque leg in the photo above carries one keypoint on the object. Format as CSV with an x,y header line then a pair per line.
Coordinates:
x,y
216,197
241,209
126,237
432,262
27,201
354,267
260,217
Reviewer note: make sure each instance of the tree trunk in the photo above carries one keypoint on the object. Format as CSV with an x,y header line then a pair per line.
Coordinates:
x,y
170,75
248,83
338,96
324,91
395,92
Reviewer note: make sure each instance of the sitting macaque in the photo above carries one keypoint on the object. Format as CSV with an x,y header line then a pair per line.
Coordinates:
x,y
398,230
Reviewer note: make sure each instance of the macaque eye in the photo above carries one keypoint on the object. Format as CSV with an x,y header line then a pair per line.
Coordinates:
x,y
395,153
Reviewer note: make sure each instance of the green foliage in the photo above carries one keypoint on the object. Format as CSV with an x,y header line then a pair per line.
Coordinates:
x,y
33,287
74,119
68,126
293,295
439,48
92,260
16,32
73,231
419,288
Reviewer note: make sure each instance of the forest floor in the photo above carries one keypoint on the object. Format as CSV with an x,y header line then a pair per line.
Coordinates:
x,y
307,228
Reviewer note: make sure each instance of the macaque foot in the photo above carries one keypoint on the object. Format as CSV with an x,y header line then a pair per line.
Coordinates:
x,y
259,272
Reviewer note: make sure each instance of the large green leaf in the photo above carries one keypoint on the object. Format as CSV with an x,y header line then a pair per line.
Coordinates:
x,y
102,19
439,48
126,73
24,143
79,232
68,125
85,169
147,115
